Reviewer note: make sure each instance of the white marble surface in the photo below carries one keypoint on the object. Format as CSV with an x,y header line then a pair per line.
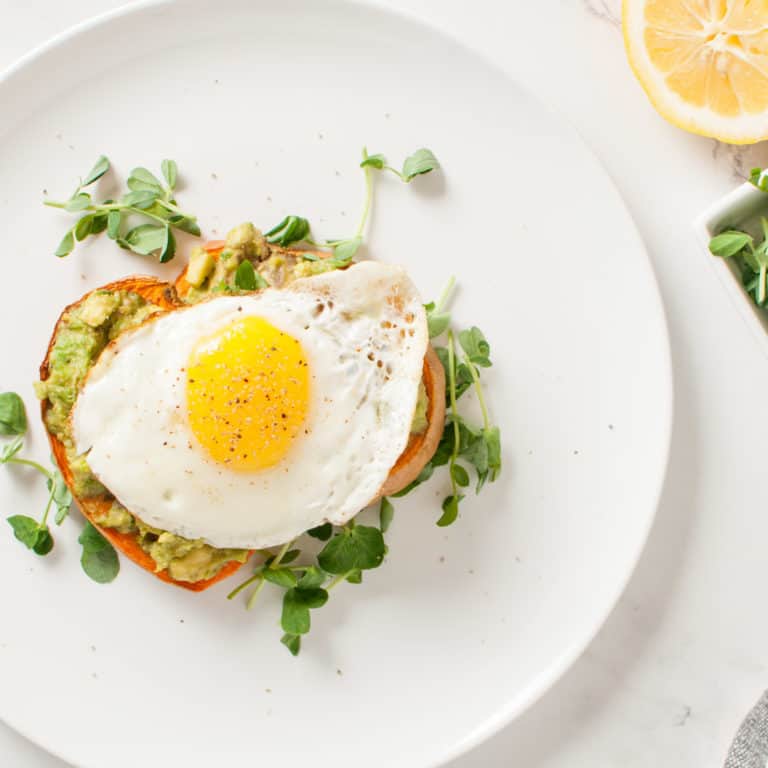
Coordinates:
x,y
683,656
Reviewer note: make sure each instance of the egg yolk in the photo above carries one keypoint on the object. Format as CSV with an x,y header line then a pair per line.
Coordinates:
x,y
247,393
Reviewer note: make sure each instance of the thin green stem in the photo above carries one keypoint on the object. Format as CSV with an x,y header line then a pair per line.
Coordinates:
x,y
174,209
281,554
368,196
54,204
454,410
445,295
337,580
395,171
479,391
30,463
252,597
247,583
44,521
129,208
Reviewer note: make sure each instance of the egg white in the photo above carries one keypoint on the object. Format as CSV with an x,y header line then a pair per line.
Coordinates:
x,y
131,420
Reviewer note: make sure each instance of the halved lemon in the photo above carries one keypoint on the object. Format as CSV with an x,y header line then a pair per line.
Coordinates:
x,y
703,63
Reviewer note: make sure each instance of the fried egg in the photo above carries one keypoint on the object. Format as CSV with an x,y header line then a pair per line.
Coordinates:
x,y
247,420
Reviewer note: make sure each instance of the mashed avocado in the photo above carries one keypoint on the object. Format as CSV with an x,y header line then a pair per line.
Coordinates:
x,y
207,275
420,423
82,335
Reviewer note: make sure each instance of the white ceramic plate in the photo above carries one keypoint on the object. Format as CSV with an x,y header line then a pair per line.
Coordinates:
x,y
265,105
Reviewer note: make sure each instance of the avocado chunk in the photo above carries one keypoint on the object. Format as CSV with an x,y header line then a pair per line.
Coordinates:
x,y
98,308
201,264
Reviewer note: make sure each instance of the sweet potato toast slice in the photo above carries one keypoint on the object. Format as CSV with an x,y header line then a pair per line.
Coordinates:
x,y
417,453
162,295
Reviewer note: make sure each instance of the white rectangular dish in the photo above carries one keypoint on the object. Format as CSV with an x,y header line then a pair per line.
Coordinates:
x,y
739,209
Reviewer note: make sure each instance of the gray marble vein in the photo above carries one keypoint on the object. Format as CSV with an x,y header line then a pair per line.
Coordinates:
x,y
608,11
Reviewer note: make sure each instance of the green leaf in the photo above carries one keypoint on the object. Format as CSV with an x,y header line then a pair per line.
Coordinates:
x,y
421,161
493,441
168,251
101,166
386,514
476,453
99,559
62,498
99,223
13,416
292,229
137,185
170,172
295,618
248,279
297,602
463,376
140,199
459,475
444,448
322,532
43,542
114,218
311,597
759,179
146,238
292,643
25,529
438,323
146,177
312,577
290,556
729,243
344,250
78,203
67,244
423,476
450,510
477,348
374,161
280,576
186,224
11,449
358,547
83,227
355,577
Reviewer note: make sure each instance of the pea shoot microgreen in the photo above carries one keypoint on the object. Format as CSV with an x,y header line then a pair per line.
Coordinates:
x,y
147,197
293,230
247,278
386,514
747,252
99,558
13,417
420,162
347,552
352,549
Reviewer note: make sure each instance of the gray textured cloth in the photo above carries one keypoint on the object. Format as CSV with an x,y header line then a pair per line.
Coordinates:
x,y
750,747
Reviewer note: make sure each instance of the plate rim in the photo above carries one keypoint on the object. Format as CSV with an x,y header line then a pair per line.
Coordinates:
x,y
544,683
